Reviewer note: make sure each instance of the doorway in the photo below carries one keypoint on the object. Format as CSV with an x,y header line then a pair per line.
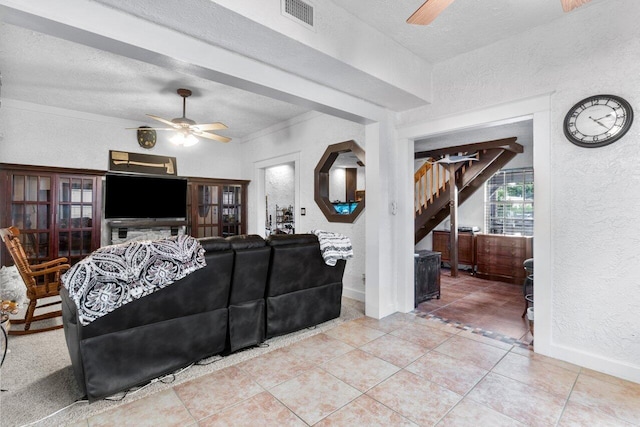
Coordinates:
x,y
280,199
491,305
277,193
538,110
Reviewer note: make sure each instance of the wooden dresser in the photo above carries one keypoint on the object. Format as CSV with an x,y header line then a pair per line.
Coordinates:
x,y
500,257
466,247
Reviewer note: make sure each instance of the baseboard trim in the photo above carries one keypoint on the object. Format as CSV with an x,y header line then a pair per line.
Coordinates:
x,y
595,362
353,294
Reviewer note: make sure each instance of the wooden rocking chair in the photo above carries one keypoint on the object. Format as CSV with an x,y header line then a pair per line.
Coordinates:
x,y
42,281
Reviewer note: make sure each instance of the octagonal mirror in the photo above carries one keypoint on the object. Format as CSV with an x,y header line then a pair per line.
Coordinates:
x,y
340,183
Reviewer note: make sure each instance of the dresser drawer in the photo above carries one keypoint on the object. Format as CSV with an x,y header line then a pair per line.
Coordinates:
x,y
501,257
506,270
503,251
507,242
504,261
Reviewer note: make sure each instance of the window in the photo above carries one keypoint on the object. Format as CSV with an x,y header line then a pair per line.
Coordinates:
x,y
509,202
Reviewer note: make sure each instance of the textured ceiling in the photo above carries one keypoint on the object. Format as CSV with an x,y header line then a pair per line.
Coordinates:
x,y
464,26
46,70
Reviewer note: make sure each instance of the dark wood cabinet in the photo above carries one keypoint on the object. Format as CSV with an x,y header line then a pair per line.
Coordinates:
x,y
58,211
466,247
427,276
501,257
216,207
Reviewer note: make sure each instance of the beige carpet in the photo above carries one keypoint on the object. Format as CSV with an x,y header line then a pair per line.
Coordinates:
x,y
39,381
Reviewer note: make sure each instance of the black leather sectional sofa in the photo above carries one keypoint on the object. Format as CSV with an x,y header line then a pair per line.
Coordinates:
x,y
251,289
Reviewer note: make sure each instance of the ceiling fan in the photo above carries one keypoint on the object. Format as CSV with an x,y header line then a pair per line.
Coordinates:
x,y
187,129
430,10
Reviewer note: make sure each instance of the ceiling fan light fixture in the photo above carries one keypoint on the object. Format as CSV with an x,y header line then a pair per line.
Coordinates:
x,y
187,130
184,139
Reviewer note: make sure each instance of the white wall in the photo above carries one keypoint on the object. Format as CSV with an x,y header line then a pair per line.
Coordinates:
x,y
33,134
596,199
309,136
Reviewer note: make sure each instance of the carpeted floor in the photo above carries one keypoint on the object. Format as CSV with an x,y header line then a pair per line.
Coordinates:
x,y
38,379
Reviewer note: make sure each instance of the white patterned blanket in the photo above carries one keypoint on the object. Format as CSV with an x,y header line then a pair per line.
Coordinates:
x,y
116,275
334,246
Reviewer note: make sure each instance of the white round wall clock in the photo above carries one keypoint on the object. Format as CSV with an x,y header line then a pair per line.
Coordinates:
x,y
598,121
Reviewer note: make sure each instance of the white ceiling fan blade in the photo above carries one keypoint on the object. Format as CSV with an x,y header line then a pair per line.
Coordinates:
x,y
569,5
166,122
209,126
213,136
428,11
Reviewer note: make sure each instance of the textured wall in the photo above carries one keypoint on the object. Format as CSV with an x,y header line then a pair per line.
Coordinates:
x,y
310,137
38,135
596,196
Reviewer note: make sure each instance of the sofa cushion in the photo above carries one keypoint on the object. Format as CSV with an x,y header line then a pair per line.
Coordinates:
x,y
291,239
214,243
300,266
308,307
246,241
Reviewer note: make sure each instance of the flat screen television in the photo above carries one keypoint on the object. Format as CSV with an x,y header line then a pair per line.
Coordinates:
x,y
144,197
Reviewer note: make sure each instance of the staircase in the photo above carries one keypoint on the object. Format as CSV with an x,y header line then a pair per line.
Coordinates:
x,y
432,181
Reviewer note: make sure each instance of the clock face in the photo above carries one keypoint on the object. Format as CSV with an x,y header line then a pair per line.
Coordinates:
x,y
598,120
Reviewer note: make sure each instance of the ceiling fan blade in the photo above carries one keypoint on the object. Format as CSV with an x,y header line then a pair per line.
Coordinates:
x,y
166,122
428,12
209,126
213,136
569,5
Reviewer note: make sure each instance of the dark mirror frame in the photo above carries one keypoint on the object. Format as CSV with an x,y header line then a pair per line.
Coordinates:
x,y
321,181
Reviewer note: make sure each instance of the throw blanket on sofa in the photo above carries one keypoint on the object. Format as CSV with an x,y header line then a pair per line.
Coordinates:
x,y
334,246
116,275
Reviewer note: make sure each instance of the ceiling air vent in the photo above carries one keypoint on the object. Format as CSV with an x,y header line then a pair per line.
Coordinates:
x,y
299,11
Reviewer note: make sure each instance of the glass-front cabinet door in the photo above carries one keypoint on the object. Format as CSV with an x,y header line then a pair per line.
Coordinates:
x,y
30,208
58,214
216,208
206,211
76,212
231,210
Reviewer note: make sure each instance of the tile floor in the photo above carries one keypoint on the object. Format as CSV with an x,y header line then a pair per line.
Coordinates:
x,y
403,370
495,307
